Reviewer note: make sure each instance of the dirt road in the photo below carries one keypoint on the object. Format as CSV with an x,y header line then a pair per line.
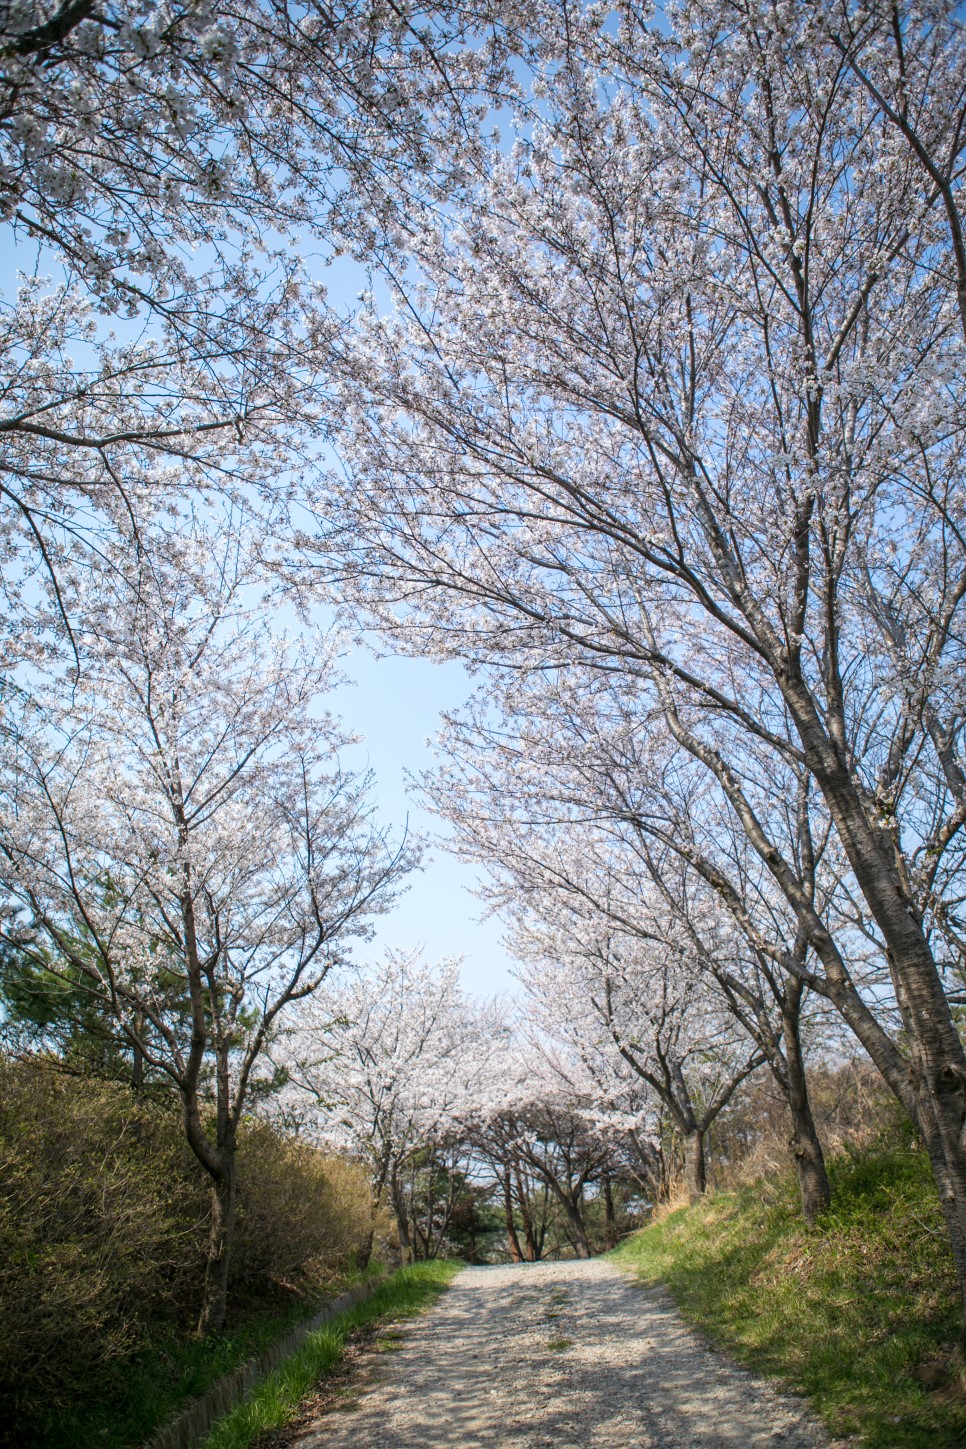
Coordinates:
x,y
562,1354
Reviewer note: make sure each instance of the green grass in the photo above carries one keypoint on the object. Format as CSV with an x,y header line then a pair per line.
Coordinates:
x,y
846,1313
145,1392
275,1402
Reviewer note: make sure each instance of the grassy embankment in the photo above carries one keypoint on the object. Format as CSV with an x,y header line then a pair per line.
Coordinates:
x,y
858,1314
103,1225
277,1400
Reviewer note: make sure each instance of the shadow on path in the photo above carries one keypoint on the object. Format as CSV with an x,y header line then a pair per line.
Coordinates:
x,y
562,1354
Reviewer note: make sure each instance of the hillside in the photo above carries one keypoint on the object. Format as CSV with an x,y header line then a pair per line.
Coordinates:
x,y
859,1313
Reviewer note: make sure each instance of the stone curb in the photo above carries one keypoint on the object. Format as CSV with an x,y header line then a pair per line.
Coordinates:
x,y
197,1420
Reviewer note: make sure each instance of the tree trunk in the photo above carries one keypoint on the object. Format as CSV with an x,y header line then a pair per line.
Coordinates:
x,y
534,1247
578,1232
516,1253
937,1071
695,1174
666,1156
214,1308
950,1177
813,1183
405,1241
364,1250
610,1221
402,1226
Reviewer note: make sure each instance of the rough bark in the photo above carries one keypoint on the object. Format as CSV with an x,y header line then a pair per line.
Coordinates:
x,y
137,1069
930,1082
695,1171
577,1230
610,1220
813,1183
937,1067
534,1244
401,1212
364,1251
569,1201
516,1252
214,1308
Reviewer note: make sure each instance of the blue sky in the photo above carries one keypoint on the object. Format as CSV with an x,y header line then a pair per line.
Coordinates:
x,y
395,703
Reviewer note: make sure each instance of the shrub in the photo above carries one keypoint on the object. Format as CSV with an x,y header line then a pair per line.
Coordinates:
x,y
99,1229
303,1216
860,1313
103,1223
851,1104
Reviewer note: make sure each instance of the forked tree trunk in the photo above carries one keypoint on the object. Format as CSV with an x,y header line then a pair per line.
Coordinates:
x,y
214,1308
578,1232
405,1240
813,1183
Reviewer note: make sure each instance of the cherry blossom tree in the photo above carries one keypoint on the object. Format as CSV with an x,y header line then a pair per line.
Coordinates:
x,y
525,1197
436,1090
385,1063
532,1120
620,1005
133,131
563,796
678,394
177,835
100,436
907,59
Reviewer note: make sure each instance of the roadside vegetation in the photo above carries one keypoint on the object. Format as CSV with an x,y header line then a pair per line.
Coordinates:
x,y
103,1230
858,1313
280,1399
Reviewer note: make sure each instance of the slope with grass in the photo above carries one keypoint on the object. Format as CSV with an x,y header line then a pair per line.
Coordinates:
x,y
103,1224
859,1314
278,1401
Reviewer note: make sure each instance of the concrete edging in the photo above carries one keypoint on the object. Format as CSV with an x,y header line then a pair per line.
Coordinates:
x,y
198,1419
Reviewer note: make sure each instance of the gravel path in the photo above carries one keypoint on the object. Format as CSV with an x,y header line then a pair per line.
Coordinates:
x,y
562,1354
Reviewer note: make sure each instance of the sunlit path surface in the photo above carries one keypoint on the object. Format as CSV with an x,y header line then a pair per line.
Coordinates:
x,y
563,1354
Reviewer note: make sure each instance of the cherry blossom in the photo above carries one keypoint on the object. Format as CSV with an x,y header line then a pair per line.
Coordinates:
x,y
674,390
176,831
